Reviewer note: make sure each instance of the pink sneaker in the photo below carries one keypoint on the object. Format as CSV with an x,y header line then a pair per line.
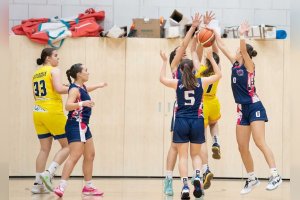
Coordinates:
x,y
91,191
59,191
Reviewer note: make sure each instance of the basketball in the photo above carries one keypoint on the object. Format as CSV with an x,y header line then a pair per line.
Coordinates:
x,y
206,37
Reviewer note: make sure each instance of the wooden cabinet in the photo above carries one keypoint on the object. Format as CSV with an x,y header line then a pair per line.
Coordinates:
x,y
131,120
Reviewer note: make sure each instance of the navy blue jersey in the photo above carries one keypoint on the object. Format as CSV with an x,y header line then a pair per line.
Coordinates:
x,y
189,102
81,114
177,73
242,84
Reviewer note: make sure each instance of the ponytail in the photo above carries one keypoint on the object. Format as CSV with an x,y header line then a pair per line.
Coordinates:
x,y
69,76
251,51
188,78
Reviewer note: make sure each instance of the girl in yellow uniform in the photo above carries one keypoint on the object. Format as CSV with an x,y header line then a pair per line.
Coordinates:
x,y
211,108
49,118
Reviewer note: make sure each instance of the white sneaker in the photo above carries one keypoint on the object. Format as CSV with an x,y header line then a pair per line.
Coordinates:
x,y
47,180
39,189
274,182
249,185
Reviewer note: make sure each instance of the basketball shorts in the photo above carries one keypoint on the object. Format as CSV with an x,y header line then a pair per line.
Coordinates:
x,y
77,131
211,110
248,113
189,130
49,124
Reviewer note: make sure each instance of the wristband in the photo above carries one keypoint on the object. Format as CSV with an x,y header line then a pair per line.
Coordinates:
x,y
80,104
242,37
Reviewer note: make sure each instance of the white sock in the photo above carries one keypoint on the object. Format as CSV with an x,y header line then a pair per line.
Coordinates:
x,y
53,167
274,171
251,176
89,183
215,139
63,184
169,174
38,179
204,168
197,173
185,180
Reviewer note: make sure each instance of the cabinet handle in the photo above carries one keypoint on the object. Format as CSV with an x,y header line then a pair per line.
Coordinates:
x,y
159,107
169,106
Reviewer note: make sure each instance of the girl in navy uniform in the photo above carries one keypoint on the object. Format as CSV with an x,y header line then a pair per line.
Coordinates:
x,y
251,112
189,122
175,57
79,105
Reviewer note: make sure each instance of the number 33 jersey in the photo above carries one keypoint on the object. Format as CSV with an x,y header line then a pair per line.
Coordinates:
x,y
46,98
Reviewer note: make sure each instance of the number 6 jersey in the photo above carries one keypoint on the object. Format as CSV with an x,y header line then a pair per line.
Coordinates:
x,y
46,98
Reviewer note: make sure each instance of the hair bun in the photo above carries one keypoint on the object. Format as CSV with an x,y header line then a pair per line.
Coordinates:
x,y
254,53
39,61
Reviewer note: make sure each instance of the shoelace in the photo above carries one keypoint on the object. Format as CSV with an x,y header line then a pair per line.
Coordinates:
x,y
247,183
272,180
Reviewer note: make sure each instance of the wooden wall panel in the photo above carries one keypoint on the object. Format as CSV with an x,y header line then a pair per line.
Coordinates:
x,y
131,119
144,109
105,60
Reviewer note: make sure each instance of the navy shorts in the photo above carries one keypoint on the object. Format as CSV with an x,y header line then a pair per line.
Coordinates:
x,y
189,130
77,131
248,113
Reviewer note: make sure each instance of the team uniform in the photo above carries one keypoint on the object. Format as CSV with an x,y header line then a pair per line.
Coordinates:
x,y
48,116
249,106
211,104
77,129
189,122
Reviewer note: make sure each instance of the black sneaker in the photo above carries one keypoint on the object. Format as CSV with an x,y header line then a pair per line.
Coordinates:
x,y
197,190
216,151
185,192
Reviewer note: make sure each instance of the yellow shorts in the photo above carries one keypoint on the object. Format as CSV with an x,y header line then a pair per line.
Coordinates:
x,y
211,110
50,124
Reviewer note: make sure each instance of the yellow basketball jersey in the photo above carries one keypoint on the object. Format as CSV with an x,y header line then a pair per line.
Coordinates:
x,y
211,90
46,98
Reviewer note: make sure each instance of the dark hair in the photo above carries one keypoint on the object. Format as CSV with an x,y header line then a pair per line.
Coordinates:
x,y
210,68
172,55
46,52
188,78
251,51
72,72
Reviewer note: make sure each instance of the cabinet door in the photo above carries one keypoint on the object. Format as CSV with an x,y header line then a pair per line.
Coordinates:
x,y
24,142
269,65
144,108
105,60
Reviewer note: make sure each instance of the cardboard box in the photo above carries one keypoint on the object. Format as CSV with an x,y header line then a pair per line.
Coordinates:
x,y
148,28
175,18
